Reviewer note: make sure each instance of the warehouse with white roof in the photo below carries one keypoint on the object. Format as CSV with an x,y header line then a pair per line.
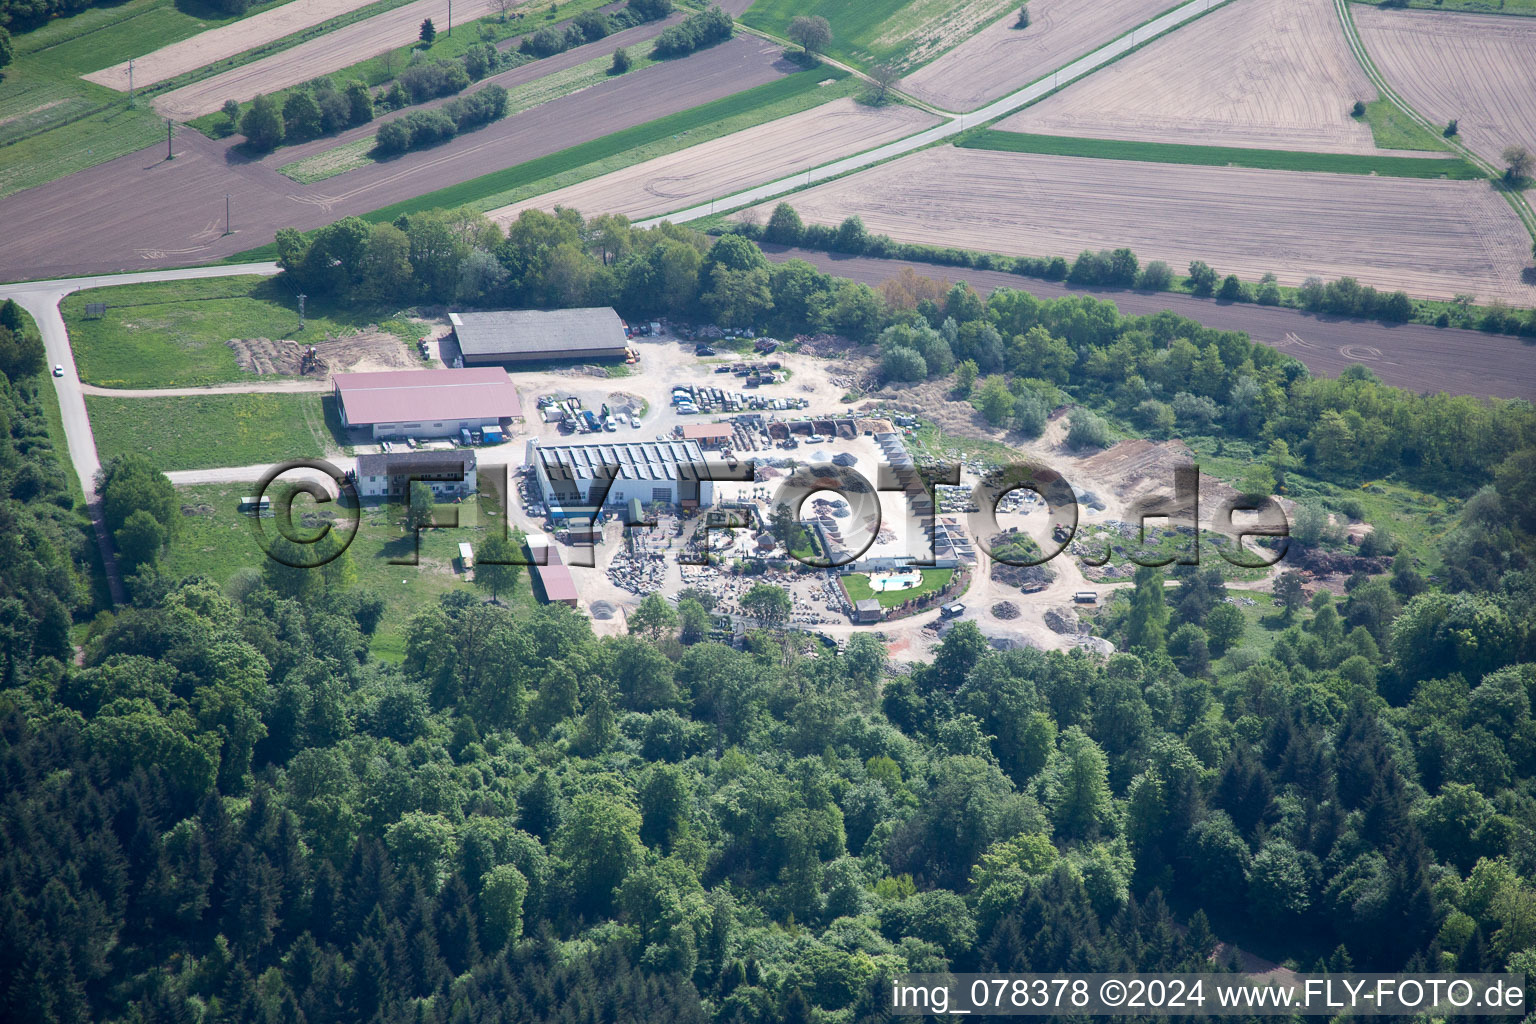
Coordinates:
x,y
573,477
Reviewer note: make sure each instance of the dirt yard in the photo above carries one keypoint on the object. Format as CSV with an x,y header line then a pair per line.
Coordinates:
x,y
370,349
1477,68
735,162
218,43
1266,74
338,49
1000,58
1432,238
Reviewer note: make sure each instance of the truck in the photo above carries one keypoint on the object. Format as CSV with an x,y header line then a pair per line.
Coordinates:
x,y
589,420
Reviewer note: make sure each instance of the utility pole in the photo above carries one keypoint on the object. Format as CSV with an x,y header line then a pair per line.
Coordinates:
x,y
130,83
301,310
450,17
168,154
227,229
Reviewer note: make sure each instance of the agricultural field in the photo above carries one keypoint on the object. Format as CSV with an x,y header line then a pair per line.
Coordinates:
x,y
905,33
180,333
1478,69
734,162
1258,73
1433,238
346,46
220,43
210,430
52,122
1002,58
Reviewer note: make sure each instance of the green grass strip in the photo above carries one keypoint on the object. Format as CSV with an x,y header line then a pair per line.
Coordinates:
x,y
1221,156
487,185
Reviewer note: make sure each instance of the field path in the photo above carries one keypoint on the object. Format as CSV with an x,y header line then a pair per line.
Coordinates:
x,y
1001,58
41,299
220,43
732,162
1477,68
142,210
341,48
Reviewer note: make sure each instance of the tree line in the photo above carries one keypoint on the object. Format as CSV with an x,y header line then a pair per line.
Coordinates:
x,y
1120,268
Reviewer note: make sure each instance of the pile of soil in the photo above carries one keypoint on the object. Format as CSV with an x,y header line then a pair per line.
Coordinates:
x,y
602,610
367,349
1005,610
1063,621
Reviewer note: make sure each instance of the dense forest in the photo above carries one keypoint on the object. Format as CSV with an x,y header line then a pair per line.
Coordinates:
x,y
224,809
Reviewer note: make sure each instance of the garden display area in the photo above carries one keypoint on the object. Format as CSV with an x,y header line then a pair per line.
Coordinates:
x,y
863,586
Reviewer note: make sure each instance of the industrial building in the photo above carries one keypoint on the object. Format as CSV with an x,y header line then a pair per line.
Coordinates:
x,y
554,576
573,478
450,474
527,335
427,403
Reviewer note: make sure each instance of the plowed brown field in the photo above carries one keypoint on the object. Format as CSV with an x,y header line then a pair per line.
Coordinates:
x,y
732,163
1268,74
345,46
1000,58
1432,238
1477,68
218,43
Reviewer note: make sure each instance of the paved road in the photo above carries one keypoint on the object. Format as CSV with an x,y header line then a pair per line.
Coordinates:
x,y
1412,356
41,299
1008,104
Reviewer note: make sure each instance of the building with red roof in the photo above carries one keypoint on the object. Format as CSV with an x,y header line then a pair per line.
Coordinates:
x,y
426,403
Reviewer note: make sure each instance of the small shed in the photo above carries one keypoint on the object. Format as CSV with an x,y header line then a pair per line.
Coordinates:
x,y
868,610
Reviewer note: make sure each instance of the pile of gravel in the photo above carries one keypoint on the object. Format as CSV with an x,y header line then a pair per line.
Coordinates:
x,y
1005,610
603,610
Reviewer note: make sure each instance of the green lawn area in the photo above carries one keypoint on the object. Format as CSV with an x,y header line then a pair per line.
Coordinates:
x,y
865,32
174,333
859,589
1221,156
216,540
1393,129
206,431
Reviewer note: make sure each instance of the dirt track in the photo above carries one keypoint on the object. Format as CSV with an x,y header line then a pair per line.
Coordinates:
x,y
341,48
218,43
1409,356
142,211
1000,58
1273,74
1433,238
1478,68
734,162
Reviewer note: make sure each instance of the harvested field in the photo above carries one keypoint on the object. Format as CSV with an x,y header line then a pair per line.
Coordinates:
x,y
1000,58
218,43
1432,238
733,163
345,46
1264,74
1477,68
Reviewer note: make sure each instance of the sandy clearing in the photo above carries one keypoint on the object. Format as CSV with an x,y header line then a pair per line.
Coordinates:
x,y
999,58
1430,237
218,43
1271,74
341,48
729,164
1477,68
